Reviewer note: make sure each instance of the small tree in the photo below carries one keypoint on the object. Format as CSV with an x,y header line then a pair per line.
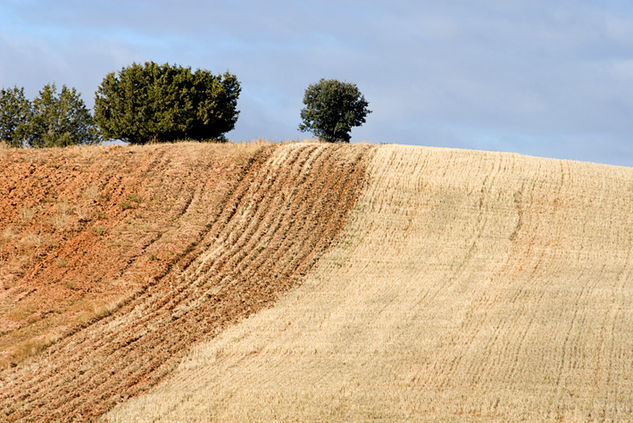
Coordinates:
x,y
15,114
331,109
60,119
165,103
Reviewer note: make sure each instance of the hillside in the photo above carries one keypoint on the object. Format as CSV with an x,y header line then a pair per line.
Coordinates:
x,y
214,233
351,283
82,229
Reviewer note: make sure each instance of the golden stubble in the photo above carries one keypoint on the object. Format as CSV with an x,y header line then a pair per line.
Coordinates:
x,y
466,286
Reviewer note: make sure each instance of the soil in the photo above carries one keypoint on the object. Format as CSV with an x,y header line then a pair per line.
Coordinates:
x,y
178,242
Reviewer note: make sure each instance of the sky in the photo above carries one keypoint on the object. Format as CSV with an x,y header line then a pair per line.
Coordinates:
x,y
545,78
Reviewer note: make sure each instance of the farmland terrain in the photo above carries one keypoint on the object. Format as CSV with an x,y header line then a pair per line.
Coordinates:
x,y
83,229
466,286
248,222
321,283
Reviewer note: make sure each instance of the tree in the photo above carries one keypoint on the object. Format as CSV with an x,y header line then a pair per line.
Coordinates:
x,y
331,109
161,103
15,113
60,120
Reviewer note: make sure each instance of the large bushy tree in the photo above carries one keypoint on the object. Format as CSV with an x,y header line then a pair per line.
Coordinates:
x,y
15,114
60,119
151,102
331,109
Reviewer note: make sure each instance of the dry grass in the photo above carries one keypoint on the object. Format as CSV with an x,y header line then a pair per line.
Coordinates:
x,y
467,286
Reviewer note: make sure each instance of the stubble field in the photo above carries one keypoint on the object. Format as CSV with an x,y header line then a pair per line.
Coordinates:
x,y
357,283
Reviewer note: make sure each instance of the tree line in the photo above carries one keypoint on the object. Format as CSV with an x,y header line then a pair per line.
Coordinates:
x,y
148,102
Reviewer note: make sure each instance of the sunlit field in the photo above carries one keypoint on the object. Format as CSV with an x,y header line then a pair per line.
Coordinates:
x,y
314,282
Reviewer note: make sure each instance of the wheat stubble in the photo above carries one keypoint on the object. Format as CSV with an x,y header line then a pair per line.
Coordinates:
x,y
466,286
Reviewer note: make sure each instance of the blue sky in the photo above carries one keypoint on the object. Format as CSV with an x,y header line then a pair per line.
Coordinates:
x,y
547,78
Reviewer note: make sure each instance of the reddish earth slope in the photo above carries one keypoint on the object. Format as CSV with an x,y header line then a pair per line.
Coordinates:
x,y
120,259
82,229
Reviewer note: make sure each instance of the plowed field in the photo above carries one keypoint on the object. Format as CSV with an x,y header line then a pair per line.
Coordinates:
x,y
83,229
257,227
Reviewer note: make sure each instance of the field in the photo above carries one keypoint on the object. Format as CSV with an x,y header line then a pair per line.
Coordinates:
x,y
316,282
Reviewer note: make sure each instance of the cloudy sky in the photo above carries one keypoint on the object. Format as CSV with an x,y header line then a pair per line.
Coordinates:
x,y
547,78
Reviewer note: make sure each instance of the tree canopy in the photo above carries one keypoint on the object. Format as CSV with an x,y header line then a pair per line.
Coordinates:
x,y
59,120
52,119
15,114
331,109
151,102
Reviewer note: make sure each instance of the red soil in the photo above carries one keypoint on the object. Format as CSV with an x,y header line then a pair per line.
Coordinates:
x,y
82,229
